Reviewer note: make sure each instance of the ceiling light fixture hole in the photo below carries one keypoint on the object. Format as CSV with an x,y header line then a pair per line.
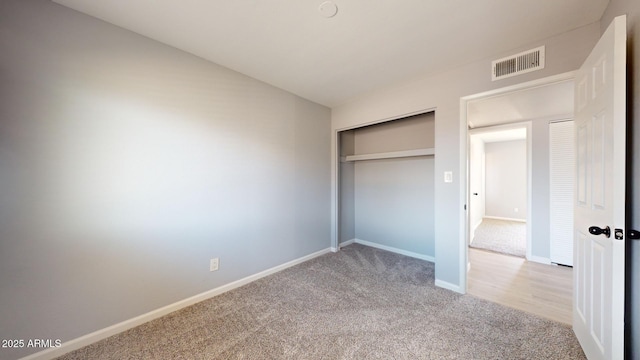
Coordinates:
x,y
328,9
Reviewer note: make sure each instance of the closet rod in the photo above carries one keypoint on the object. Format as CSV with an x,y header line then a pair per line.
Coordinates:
x,y
391,154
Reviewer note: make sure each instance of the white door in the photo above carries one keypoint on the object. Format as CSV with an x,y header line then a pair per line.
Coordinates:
x,y
476,183
562,160
600,125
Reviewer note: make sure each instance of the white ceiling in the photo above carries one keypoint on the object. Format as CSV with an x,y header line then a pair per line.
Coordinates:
x,y
367,45
552,101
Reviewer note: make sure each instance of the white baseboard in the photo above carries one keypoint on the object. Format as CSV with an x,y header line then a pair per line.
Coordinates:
x,y
449,286
93,337
347,243
473,231
439,283
540,259
504,218
394,250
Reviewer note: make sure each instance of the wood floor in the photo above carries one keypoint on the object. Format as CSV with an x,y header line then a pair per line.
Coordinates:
x,y
544,290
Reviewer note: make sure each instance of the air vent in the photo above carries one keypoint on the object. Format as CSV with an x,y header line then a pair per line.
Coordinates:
x,y
524,62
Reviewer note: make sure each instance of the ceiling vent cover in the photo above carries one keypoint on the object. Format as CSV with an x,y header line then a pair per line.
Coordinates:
x,y
524,62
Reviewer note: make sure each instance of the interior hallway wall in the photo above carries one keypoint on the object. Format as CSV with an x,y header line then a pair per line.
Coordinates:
x,y
506,179
125,165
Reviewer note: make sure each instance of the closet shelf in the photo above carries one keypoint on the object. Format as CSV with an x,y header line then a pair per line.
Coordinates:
x,y
391,154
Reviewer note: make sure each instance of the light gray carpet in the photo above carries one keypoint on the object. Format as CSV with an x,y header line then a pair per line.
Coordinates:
x,y
506,237
361,303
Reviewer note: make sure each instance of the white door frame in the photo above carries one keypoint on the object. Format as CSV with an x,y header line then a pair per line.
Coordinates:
x,y
527,125
464,158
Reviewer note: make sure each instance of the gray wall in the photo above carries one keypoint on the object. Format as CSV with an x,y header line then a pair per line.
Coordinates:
x,y
391,201
394,203
442,92
506,179
347,190
415,132
632,9
347,202
125,165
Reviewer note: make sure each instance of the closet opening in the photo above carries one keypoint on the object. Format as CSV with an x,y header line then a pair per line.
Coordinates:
x,y
386,185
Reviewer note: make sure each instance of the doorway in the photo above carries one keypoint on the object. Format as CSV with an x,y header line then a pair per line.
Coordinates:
x,y
537,104
499,182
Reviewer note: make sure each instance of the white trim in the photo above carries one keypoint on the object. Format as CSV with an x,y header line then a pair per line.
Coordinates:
x,y
335,191
568,76
472,235
540,259
507,123
391,154
464,206
391,118
475,227
449,286
528,126
529,227
520,124
95,336
504,218
561,119
347,243
395,250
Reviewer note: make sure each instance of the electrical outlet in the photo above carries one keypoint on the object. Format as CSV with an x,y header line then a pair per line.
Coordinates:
x,y
515,209
213,264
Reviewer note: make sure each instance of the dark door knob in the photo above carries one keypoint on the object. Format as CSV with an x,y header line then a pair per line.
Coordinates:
x,y
594,230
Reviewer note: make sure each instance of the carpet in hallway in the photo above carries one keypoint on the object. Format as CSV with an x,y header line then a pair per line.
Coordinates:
x,y
506,237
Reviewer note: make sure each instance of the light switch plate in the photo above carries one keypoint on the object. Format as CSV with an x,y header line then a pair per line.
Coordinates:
x,y
448,176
